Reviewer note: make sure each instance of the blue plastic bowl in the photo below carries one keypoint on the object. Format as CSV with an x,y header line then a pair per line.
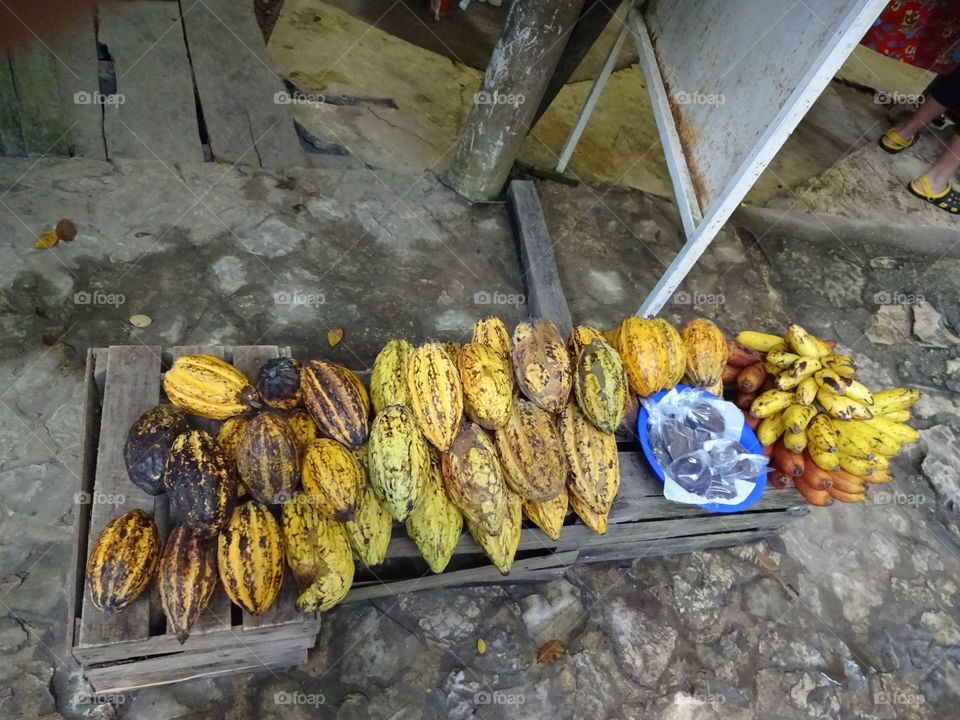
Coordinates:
x,y
747,438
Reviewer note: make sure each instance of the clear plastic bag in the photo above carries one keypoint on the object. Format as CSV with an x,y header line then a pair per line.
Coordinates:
x,y
695,440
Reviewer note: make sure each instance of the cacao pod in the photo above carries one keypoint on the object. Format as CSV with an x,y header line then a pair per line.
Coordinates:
x,y
706,352
502,547
358,384
250,557
531,453
201,484
631,409
581,336
278,383
676,353
388,381
268,458
148,444
398,457
333,400
490,331
595,521
612,338
209,387
436,395
303,427
369,532
435,523
473,478
331,479
600,385
228,437
593,461
548,515
644,352
123,560
453,352
187,578
542,364
318,554
487,380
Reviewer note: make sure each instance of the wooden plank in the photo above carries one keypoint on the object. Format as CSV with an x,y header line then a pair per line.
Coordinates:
x,y
545,296
78,77
158,116
11,136
237,87
670,546
132,388
42,125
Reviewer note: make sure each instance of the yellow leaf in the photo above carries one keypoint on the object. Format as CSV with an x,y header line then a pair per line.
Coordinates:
x,y
481,646
46,240
334,336
550,651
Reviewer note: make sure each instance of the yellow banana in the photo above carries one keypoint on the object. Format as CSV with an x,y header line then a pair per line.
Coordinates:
x,y
806,391
771,368
805,367
843,365
763,342
833,382
858,391
795,442
784,381
770,402
897,415
803,343
867,436
783,359
879,476
894,399
857,441
902,433
820,434
797,417
825,460
842,407
770,428
861,466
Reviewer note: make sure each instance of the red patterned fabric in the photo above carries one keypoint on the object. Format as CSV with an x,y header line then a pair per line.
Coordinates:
x,y
925,33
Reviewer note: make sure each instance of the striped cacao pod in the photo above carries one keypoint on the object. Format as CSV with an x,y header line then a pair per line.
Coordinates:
x,y
303,427
201,484
435,523
548,515
268,458
148,444
278,383
370,530
398,457
250,557
593,461
595,521
453,352
644,352
676,353
473,478
207,386
542,364
581,336
318,554
490,331
123,560
502,547
706,352
336,404
361,389
187,578
331,479
600,385
388,381
531,453
436,395
487,380
228,437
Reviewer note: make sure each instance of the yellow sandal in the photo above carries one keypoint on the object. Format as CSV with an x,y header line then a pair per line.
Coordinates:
x,y
948,200
892,143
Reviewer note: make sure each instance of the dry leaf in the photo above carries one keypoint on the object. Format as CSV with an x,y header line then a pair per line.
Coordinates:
x,y
46,240
550,651
481,646
334,336
140,321
765,561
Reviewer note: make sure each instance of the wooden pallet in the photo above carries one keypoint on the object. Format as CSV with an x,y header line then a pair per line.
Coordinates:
x,y
132,648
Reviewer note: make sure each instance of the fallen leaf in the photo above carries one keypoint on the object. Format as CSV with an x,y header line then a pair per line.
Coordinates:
x,y
334,336
140,321
46,240
766,562
481,646
550,651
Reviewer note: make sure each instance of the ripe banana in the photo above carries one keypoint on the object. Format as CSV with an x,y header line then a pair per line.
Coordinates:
x,y
896,415
842,407
785,381
858,391
805,367
770,428
763,342
786,461
825,460
861,466
803,343
879,476
843,365
797,417
806,391
783,359
903,434
795,441
861,439
770,402
848,483
821,434
832,381
821,498
894,399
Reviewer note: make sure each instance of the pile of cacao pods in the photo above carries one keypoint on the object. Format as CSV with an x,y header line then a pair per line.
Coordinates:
x,y
307,468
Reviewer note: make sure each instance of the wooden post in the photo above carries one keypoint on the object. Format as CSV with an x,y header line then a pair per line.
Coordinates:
x,y
522,64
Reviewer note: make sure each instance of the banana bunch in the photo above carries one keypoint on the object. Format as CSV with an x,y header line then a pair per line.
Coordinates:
x,y
821,428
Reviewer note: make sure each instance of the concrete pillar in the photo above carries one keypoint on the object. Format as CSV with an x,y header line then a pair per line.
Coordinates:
x,y
522,63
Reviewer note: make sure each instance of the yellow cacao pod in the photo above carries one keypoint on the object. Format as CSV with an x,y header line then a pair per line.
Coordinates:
x,y
388,381
502,547
490,331
436,395
201,484
644,352
303,427
187,578
335,403
435,523
361,389
676,353
531,453
612,338
228,437
581,336
123,561
473,478
332,479
548,515
542,364
318,553
706,352
595,521
369,532
250,557
593,461
398,458
487,380
453,352
209,387
600,385
268,458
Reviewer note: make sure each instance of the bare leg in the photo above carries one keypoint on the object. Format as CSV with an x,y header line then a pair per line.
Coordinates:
x,y
942,171
916,122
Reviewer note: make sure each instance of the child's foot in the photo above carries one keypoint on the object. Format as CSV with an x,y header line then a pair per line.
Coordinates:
x,y
893,143
945,198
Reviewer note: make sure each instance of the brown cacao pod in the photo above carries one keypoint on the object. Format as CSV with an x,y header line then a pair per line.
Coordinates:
x,y
490,331
388,381
123,560
676,353
706,352
268,458
278,383
332,479
531,452
542,364
187,578
436,395
593,461
487,380
200,483
336,404
250,557
398,459
644,352
502,547
473,478
148,444
548,515
361,389
600,385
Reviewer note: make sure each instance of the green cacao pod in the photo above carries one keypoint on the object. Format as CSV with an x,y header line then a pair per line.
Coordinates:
x,y
370,530
123,561
332,479
388,380
435,523
600,385
398,458
148,444
502,547
200,483
593,461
